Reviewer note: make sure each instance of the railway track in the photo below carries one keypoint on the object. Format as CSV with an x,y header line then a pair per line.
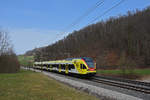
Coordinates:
x,y
143,87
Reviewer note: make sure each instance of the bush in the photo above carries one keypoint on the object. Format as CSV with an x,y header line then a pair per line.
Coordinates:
x,y
9,64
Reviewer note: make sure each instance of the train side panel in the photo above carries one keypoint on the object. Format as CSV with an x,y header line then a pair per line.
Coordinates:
x,y
75,66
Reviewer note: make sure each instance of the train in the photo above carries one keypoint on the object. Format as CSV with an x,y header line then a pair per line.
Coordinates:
x,y
84,66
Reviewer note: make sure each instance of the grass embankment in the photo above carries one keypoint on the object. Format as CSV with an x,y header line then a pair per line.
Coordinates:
x,y
27,85
26,60
140,72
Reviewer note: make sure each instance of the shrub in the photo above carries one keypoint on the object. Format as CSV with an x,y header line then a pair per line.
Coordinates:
x,y
9,64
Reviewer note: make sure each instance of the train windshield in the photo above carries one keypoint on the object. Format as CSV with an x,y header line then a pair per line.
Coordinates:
x,y
89,62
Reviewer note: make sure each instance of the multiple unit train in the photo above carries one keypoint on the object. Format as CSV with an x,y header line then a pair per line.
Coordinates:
x,y
81,66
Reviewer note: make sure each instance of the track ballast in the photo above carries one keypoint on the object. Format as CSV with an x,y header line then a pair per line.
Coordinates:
x,y
143,87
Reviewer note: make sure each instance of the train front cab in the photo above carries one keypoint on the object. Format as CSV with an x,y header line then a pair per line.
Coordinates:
x,y
86,67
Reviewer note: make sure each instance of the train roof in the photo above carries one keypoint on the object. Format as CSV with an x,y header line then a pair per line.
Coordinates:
x,y
65,61
85,58
55,62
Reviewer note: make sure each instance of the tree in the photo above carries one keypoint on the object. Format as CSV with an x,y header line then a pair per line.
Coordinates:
x,y
8,59
129,34
4,44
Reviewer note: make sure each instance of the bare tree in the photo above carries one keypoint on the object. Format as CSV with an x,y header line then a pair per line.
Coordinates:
x,y
5,47
8,59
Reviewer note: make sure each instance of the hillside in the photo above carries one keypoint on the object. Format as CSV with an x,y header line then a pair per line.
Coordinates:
x,y
25,60
125,39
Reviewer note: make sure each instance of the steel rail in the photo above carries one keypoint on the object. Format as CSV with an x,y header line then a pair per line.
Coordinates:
x,y
125,80
130,86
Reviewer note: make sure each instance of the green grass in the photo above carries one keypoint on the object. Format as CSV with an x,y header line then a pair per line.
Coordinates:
x,y
27,85
26,60
117,72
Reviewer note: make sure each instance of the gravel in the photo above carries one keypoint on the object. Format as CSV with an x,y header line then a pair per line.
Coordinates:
x,y
91,88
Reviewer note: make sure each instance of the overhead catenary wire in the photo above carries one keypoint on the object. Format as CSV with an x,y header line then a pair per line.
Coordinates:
x,y
100,2
79,19
89,11
108,10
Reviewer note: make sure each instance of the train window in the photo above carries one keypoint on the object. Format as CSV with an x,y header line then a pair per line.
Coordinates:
x,y
57,65
45,65
48,66
63,66
82,66
71,67
53,65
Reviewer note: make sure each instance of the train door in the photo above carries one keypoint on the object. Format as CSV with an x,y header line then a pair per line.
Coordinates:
x,y
59,67
51,68
47,66
66,69
83,68
78,68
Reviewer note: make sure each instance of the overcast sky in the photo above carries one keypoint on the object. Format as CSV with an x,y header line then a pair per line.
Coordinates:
x,y
36,23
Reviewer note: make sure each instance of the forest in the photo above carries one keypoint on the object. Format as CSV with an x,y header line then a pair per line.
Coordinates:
x,y
118,41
